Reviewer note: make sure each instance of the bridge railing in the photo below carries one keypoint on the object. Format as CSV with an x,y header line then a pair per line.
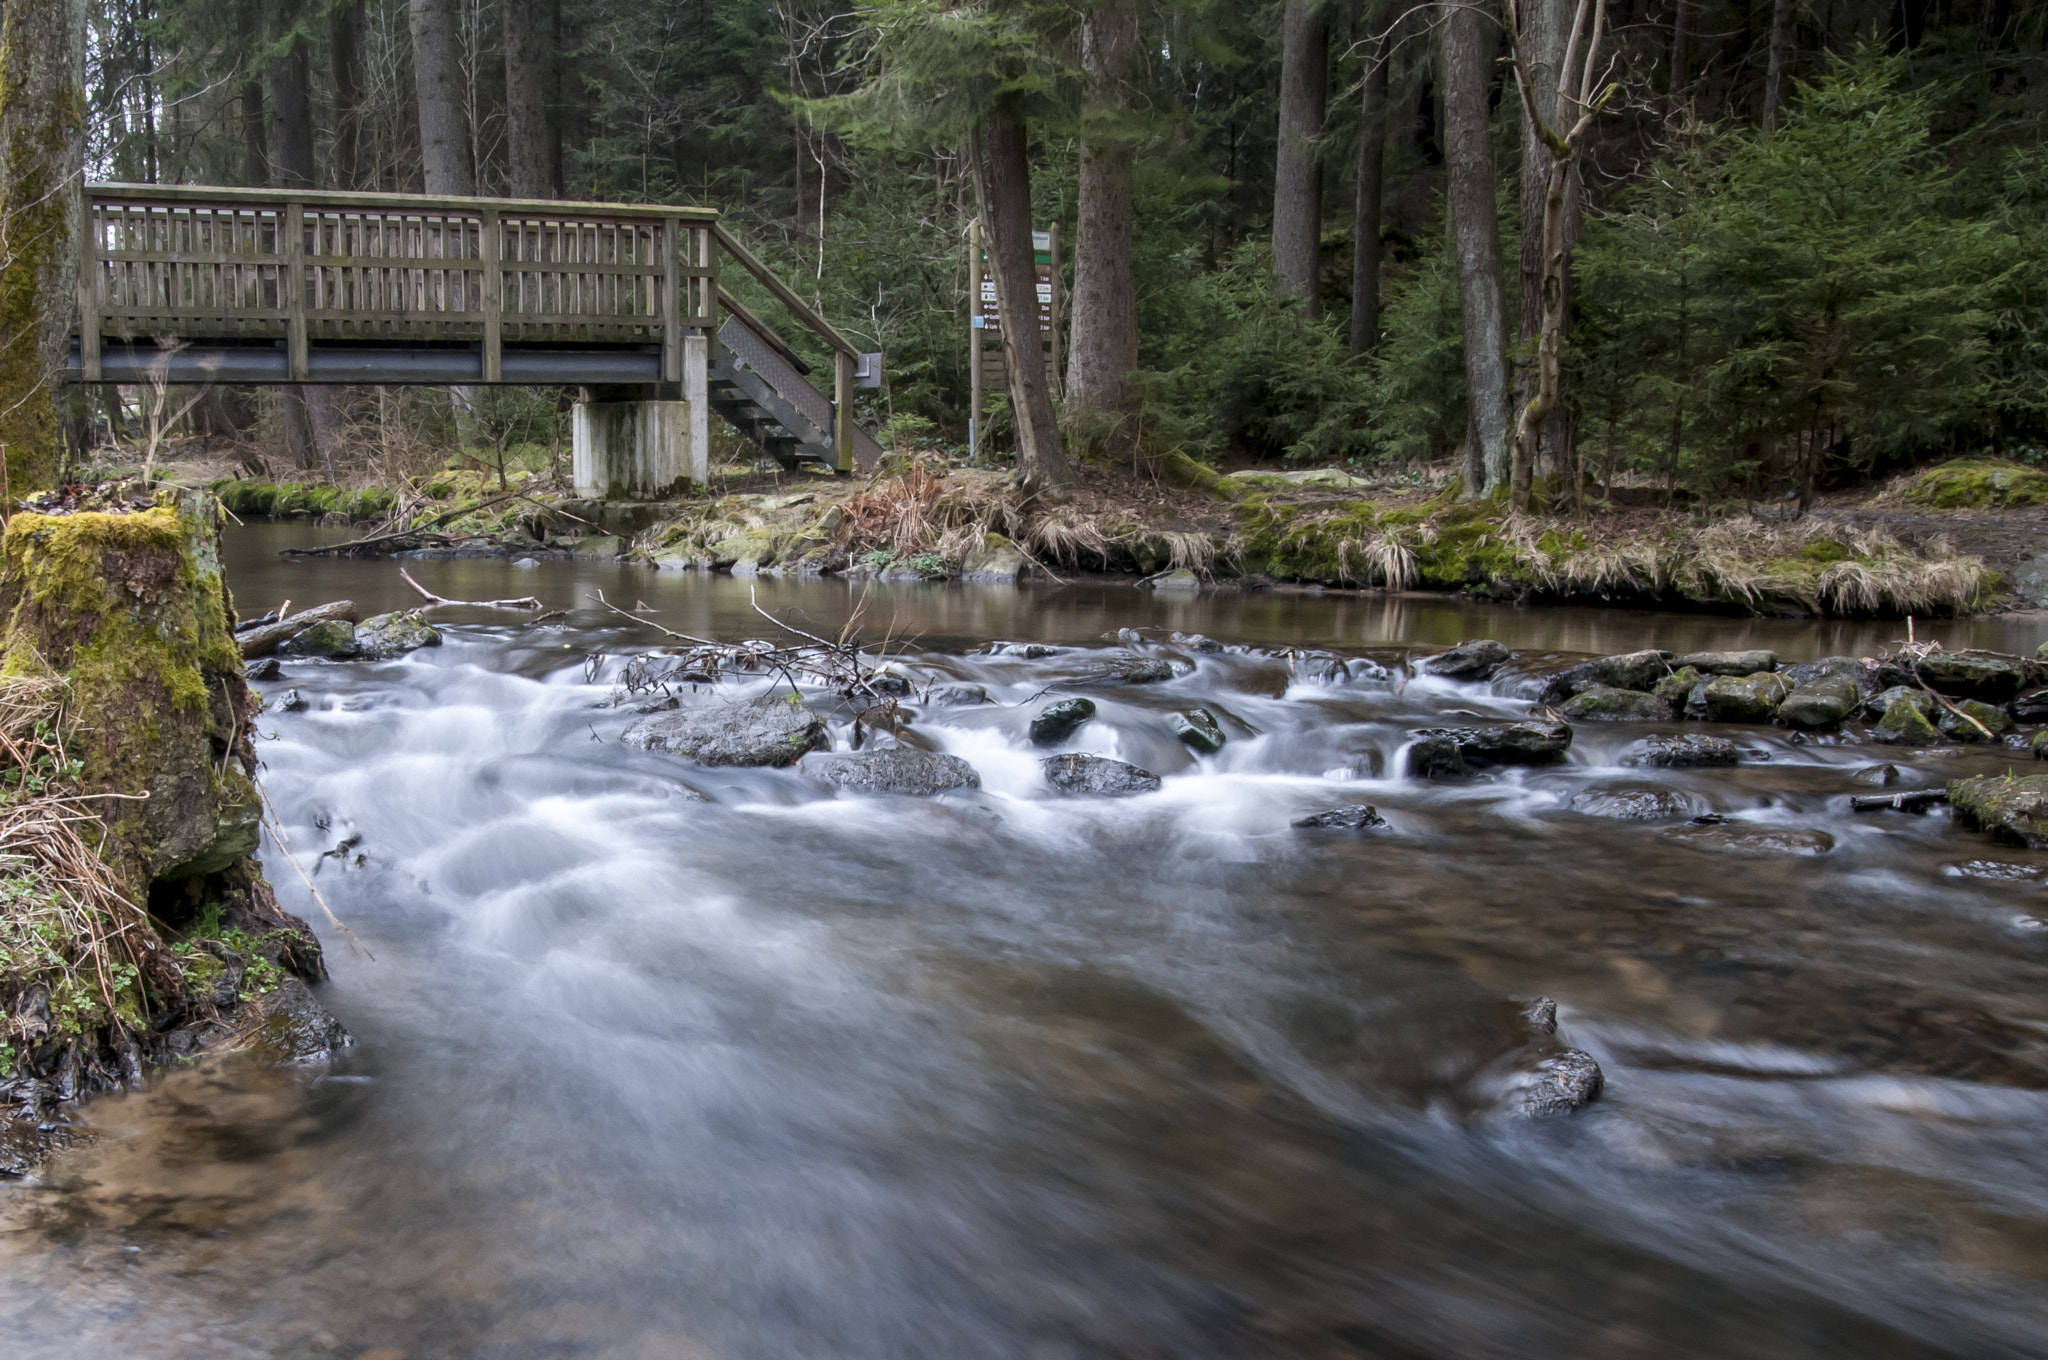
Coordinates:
x,y
307,266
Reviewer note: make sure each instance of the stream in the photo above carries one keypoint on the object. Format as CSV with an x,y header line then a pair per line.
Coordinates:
x,y
655,1060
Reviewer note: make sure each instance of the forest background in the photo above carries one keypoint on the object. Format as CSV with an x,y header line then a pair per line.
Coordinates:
x,y
1802,241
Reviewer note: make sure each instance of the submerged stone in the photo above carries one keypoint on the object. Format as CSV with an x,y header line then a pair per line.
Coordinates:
x,y
1636,804
1685,752
957,696
1097,776
1198,729
1750,841
1355,817
1603,703
2011,807
1134,670
770,730
1563,1082
1057,720
902,770
1819,703
1881,776
1476,660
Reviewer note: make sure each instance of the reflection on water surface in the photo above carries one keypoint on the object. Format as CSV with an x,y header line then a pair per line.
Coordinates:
x,y
664,1061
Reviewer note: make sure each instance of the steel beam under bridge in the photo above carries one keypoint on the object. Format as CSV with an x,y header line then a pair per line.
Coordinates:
x,y
199,362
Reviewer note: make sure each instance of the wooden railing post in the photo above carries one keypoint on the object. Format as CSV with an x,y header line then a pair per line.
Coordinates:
x,y
670,311
292,281
491,244
842,413
91,240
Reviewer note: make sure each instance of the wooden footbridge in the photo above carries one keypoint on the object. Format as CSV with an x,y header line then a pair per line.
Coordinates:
x,y
191,285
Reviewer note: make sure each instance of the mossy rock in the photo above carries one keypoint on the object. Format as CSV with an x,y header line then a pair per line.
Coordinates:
x,y
1972,720
1603,703
1198,729
1905,724
1676,688
329,639
2011,807
1978,484
1819,704
1745,698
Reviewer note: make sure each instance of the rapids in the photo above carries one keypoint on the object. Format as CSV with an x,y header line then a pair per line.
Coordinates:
x,y
656,1060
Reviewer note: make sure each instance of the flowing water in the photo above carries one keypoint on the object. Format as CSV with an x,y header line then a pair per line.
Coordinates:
x,y
656,1060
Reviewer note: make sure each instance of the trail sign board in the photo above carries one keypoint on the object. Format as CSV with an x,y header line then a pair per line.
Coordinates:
x,y
985,327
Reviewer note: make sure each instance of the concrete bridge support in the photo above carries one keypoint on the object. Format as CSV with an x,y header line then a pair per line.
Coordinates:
x,y
647,443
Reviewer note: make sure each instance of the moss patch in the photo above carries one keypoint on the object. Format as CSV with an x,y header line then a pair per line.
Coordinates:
x,y
1978,484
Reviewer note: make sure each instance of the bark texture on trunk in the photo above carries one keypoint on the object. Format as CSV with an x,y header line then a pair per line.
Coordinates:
x,y
1774,71
1681,50
1540,46
1297,172
291,119
351,83
529,75
437,83
1006,221
1104,346
1475,232
42,159
1365,225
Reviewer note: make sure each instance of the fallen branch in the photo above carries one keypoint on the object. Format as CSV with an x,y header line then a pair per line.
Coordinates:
x,y
523,602
267,639
1899,802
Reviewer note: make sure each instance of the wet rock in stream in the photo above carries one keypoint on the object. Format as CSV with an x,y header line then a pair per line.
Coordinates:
x,y
1604,703
1058,720
902,770
1509,744
769,730
1355,817
1476,660
957,696
1198,730
1819,704
1097,776
1636,804
1563,1082
1689,751
389,635
1749,840
2011,807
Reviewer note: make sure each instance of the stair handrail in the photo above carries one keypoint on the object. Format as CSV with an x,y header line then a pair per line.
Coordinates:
x,y
765,332
784,294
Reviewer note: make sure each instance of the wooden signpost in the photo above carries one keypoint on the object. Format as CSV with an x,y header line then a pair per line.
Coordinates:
x,y
984,326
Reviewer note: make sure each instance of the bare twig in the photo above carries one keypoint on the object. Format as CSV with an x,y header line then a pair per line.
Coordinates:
x,y
523,602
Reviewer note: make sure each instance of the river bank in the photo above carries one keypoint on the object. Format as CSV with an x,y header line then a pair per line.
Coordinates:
x,y
1952,541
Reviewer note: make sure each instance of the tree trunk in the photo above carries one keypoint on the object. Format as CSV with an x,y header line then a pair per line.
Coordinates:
x,y
1297,173
1774,72
291,119
1006,221
1540,45
1475,231
351,82
42,159
438,83
1104,346
529,72
1681,51
1365,225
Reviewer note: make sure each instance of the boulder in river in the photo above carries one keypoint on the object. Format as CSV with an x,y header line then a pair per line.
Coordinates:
x,y
2010,807
1354,817
770,730
1960,675
296,1027
1565,1081
1630,670
1677,688
1905,723
265,669
1749,840
1604,703
903,769
2031,706
1819,703
1527,743
1848,668
1683,752
1744,698
1057,721
1198,729
1881,776
1974,720
1133,670
330,639
387,635
1097,776
1434,755
1636,804
1729,663
957,696
1476,660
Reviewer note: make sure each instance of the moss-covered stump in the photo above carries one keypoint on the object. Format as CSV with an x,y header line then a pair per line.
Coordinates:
x,y
2011,807
156,941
